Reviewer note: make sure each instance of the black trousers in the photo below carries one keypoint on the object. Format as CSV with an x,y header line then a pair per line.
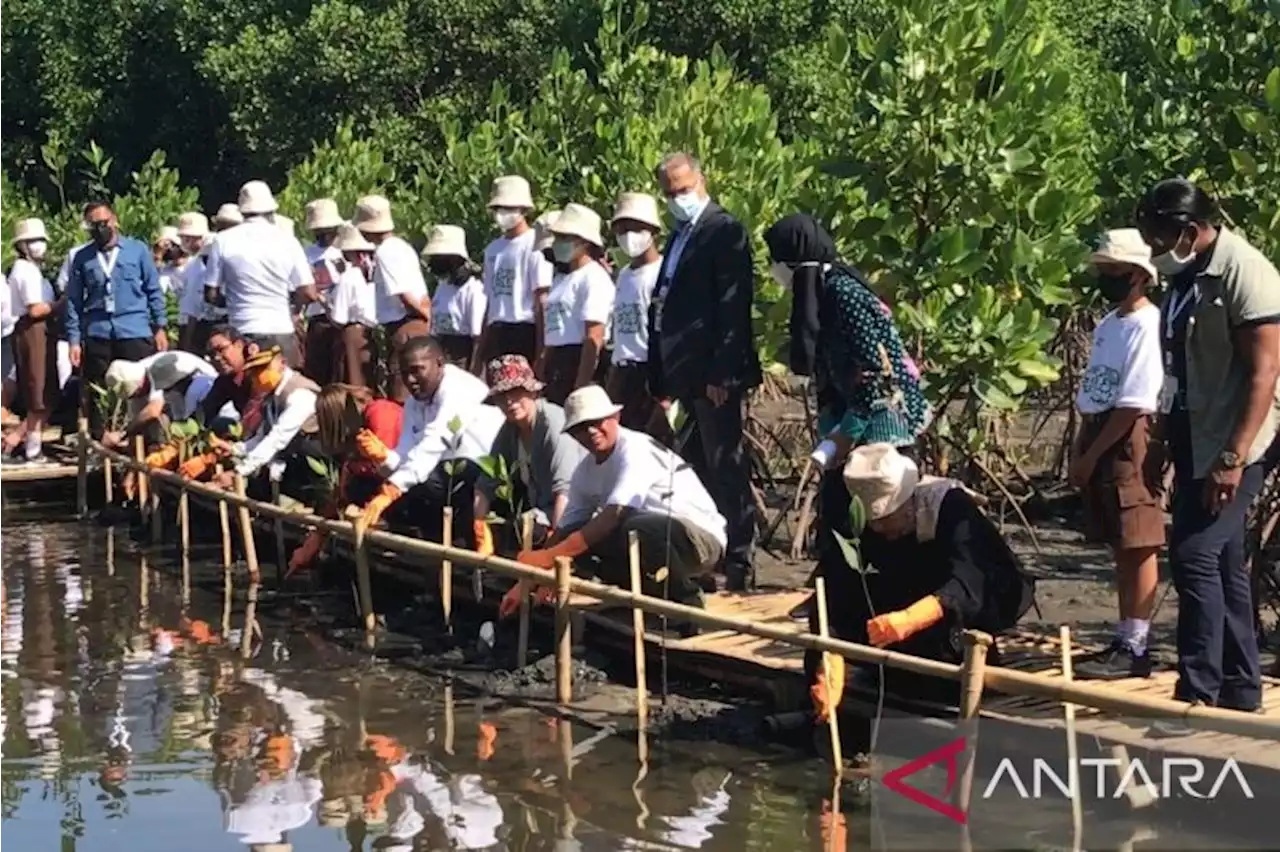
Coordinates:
x,y
715,450
95,356
421,507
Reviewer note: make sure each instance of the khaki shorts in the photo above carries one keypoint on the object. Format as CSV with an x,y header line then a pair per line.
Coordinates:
x,y
1124,501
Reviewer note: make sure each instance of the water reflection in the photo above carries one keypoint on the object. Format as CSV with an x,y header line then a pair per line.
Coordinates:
x,y
131,720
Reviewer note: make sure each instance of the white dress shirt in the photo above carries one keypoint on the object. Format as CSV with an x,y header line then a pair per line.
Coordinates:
x,y
282,420
396,273
316,255
458,310
258,266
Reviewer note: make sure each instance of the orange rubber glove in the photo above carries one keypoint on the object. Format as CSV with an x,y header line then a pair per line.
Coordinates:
x,y
828,693
484,537
834,827
487,741
202,633
305,553
162,457
386,749
277,753
371,446
574,545
893,627
373,510
196,466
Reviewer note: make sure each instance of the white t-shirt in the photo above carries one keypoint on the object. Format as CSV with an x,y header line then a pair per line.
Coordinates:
x,y
353,298
513,271
172,278
396,273
184,405
64,273
7,318
191,304
631,312
316,255
577,298
642,474
27,286
1124,365
458,310
258,267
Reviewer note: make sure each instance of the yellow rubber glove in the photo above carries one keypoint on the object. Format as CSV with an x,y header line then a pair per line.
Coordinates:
x,y
162,457
195,467
484,537
828,693
371,446
893,627
305,553
373,510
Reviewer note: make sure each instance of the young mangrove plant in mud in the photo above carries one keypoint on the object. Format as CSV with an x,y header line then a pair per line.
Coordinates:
x,y
850,549
112,405
495,468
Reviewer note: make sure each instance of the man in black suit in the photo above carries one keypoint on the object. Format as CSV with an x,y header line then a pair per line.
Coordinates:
x,y
701,348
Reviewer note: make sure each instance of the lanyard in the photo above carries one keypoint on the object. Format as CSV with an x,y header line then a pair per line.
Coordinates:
x,y
1176,307
108,262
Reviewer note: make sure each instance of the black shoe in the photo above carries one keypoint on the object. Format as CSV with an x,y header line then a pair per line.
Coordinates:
x,y
1174,727
1118,663
708,584
802,612
739,580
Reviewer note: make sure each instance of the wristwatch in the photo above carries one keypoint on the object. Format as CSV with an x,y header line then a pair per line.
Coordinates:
x,y
1230,460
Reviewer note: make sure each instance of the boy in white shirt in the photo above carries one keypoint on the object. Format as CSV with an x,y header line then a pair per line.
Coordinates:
x,y
515,276
635,228
578,306
1117,461
631,483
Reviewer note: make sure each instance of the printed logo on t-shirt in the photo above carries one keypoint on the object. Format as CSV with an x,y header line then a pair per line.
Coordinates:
x,y
1101,385
444,324
557,314
626,318
504,281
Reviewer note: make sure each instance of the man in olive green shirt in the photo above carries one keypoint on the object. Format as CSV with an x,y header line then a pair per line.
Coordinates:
x,y
1220,327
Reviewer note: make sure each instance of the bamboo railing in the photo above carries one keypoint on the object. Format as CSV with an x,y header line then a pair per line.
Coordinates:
x,y
975,674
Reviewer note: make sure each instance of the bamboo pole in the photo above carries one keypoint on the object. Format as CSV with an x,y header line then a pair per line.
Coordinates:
x,y
82,468
226,599
637,629
107,484
564,632
448,715
246,530
1073,752
1004,680
184,532
111,551
833,722
364,584
976,645
250,619
446,573
282,557
142,482
522,637
224,521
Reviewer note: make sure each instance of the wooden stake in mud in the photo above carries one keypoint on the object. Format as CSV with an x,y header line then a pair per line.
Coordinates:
x,y
972,677
108,486
446,573
246,531
522,637
184,524
448,715
250,619
224,520
282,557
82,471
637,628
1073,770
828,665
142,483
363,582
564,632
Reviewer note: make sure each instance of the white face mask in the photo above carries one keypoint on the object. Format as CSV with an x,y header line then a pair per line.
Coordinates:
x,y
563,250
684,206
37,249
783,274
1171,263
507,219
635,243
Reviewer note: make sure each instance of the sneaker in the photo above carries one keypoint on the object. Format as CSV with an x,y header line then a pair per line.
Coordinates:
x,y
1174,727
1118,663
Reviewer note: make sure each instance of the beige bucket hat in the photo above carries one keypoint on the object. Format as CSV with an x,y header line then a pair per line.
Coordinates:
x,y
1125,245
578,221
127,375
637,207
256,199
373,215
447,241
511,191
228,214
29,229
350,239
588,404
167,234
322,215
542,236
881,477
193,225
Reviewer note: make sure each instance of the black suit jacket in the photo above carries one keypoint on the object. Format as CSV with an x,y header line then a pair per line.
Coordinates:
x,y
706,336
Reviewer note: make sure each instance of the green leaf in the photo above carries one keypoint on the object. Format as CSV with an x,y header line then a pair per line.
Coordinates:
x,y
318,467
837,46
1272,89
1244,163
857,517
1017,159
455,425
1048,206
849,550
1037,371
1186,46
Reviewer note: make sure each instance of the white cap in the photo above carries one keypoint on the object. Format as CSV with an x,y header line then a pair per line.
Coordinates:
x,y
322,214
29,229
228,214
256,199
447,241
127,375
350,239
167,234
373,215
637,207
578,221
542,236
511,191
881,477
193,225
1125,245
588,404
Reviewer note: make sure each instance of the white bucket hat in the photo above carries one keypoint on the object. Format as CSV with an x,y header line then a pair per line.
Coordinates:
x,y
127,375
228,214
193,225
350,239
447,241
637,207
511,191
29,229
322,215
578,221
167,234
542,236
1125,245
256,199
881,477
167,372
373,215
588,404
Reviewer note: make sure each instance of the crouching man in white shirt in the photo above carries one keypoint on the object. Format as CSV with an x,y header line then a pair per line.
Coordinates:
x,y
447,427
631,483
162,388
287,433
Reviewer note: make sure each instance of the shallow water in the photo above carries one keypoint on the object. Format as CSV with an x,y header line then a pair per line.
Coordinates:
x,y
125,726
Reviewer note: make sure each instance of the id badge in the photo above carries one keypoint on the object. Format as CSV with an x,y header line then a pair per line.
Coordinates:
x,y
1168,393
109,303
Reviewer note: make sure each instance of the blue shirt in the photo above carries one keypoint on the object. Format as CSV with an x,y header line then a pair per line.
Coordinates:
x,y
127,306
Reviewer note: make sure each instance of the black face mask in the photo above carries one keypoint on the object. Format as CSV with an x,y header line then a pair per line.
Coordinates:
x,y
1114,288
442,268
101,233
174,254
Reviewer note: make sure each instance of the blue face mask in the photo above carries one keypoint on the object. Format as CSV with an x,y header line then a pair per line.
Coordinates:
x,y
684,206
562,250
